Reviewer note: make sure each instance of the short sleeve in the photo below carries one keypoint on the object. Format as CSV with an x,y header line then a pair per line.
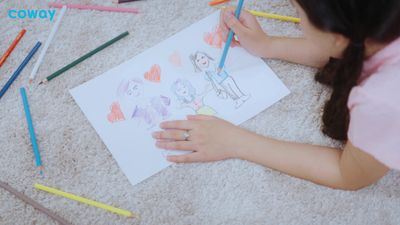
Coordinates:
x,y
375,127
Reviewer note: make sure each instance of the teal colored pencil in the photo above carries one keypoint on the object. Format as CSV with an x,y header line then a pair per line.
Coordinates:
x,y
230,37
31,130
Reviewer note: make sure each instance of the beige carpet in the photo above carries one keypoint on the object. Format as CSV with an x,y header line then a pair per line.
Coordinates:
x,y
76,160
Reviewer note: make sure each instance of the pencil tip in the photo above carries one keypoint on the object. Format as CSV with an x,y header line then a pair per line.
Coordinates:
x,y
40,170
41,82
219,70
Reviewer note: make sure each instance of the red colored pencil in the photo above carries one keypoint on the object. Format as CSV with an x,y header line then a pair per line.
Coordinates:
x,y
123,1
12,46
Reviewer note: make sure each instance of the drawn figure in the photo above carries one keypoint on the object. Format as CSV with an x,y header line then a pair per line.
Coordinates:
x,y
175,59
153,113
215,39
154,74
148,110
187,96
223,84
116,114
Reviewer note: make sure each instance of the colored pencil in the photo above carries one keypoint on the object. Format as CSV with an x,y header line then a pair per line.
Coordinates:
x,y
34,204
217,2
84,57
84,200
19,69
275,16
94,7
12,46
28,116
123,1
47,44
269,15
230,37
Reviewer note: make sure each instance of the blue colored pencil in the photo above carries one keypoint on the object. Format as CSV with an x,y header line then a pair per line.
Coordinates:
x,y
230,37
19,69
31,129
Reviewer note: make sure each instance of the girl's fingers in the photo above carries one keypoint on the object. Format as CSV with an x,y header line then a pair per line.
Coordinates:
x,y
177,124
201,117
177,135
188,158
176,145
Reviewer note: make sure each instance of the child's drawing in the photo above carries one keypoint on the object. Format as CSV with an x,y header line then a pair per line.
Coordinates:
x,y
154,112
175,59
223,84
150,110
154,74
116,114
187,96
215,39
125,104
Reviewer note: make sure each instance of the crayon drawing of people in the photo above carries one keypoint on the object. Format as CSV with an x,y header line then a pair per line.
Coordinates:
x,y
223,84
148,110
187,96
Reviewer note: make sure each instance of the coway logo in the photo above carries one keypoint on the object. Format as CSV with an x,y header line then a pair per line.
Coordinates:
x,y
31,14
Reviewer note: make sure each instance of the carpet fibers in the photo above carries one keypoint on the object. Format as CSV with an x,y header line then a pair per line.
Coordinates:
x,y
76,160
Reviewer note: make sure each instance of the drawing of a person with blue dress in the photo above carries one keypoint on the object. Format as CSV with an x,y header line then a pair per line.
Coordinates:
x,y
223,84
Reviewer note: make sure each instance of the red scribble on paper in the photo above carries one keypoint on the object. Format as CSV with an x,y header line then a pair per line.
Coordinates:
x,y
175,59
215,38
116,114
154,74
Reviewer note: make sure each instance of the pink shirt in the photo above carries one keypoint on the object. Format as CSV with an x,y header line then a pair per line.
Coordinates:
x,y
374,106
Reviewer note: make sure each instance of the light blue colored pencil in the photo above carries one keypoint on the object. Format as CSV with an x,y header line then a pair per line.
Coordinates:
x,y
230,37
20,68
31,130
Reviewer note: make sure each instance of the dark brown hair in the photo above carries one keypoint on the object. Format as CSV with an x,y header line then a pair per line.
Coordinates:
x,y
358,20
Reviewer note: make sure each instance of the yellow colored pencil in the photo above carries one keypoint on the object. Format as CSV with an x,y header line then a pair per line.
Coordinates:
x,y
270,15
84,200
275,16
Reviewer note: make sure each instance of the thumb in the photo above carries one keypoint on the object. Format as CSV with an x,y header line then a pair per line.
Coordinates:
x,y
234,24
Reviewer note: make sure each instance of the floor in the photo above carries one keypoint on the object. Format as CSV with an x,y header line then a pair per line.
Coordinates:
x,y
76,160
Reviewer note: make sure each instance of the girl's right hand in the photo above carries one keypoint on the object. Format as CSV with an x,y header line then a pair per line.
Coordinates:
x,y
247,29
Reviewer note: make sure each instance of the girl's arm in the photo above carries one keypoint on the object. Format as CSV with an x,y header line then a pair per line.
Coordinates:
x,y
349,168
214,139
252,37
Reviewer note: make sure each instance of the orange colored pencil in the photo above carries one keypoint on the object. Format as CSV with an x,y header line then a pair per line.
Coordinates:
x,y
217,2
12,46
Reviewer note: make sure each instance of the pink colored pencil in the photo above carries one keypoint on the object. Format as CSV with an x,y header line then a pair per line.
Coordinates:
x,y
94,7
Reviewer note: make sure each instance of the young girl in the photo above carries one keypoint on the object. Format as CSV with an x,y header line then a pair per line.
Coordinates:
x,y
357,46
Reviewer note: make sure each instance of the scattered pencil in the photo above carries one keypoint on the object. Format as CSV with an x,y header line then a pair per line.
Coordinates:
x,y
217,2
19,69
31,130
269,15
84,57
94,7
12,46
84,200
230,37
47,44
123,1
34,204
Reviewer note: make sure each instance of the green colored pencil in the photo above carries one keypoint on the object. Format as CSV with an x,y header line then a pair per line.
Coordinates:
x,y
79,60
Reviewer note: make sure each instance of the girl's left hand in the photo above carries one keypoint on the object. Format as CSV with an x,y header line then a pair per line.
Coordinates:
x,y
208,137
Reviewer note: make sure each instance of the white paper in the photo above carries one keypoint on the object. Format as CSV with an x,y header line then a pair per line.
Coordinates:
x,y
127,103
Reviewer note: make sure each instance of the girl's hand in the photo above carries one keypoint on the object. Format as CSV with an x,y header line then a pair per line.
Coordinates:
x,y
210,139
247,29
